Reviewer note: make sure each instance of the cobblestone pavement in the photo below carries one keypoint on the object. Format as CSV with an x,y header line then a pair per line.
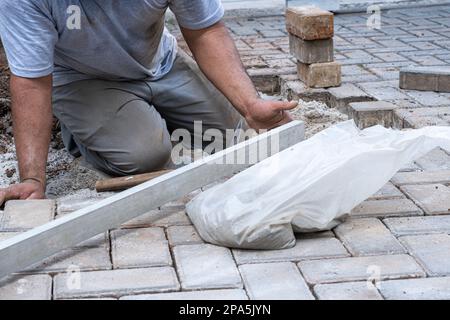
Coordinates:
x,y
394,246
371,60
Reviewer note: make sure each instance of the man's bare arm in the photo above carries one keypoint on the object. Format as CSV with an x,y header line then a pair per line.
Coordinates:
x,y
218,58
32,124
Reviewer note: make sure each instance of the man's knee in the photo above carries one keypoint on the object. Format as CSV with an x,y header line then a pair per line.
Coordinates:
x,y
145,159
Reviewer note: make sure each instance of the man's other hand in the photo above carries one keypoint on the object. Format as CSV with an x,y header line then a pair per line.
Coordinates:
x,y
264,114
28,190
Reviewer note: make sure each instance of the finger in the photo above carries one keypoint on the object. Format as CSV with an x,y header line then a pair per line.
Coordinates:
x,y
285,105
285,118
36,196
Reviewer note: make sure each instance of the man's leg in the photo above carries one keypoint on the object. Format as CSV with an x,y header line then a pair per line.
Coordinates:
x,y
113,125
185,95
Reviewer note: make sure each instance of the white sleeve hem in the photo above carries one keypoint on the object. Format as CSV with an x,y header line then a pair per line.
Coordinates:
x,y
31,73
209,21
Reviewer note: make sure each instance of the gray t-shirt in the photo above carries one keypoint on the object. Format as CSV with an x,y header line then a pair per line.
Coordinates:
x,y
106,39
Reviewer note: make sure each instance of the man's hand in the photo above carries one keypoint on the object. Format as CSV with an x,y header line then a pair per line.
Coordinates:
x,y
218,58
264,114
27,190
32,122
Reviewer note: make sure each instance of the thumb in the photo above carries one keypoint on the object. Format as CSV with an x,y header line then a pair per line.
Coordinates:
x,y
285,105
2,196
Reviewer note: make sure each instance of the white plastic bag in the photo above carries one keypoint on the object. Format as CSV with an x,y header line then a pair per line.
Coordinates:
x,y
308,187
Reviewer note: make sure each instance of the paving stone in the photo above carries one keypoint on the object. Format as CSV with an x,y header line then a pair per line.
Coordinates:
x,y
316,51
438,111
159,218
320,75
33,287
274,281
437,159
385,93
296,90
410,167
347,291
425,78
414,78
116,283
97,241
79,200
180,235
206,267
22,215
310,23
315,248
428,98
420,122
387,192
368,114
431,251
227,294
7,235
432,198
359,268
143,247
367,237
345,94
315,235
417,289
424,177
84,259
418,225
386,208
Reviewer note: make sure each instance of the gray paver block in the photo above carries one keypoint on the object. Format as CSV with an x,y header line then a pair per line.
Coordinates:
x,y
96,241
428,98
434,199
179,235
368,237
84,259
310,23
411,79
410,167
33,287
8,235
316,51
226,294
417,289
437,159
341,97
368,114
22,215
143,247
425,121
115,283
386,208
387,192
320,75
347,291
422,177
206,266
432,252
360,268
425,78
418,225
79,200
274,281
315,248
172,216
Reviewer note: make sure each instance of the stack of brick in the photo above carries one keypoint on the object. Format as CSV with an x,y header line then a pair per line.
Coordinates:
x,y
311,32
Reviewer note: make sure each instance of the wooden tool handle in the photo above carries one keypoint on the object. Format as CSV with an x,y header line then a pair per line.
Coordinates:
x,y
124,183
